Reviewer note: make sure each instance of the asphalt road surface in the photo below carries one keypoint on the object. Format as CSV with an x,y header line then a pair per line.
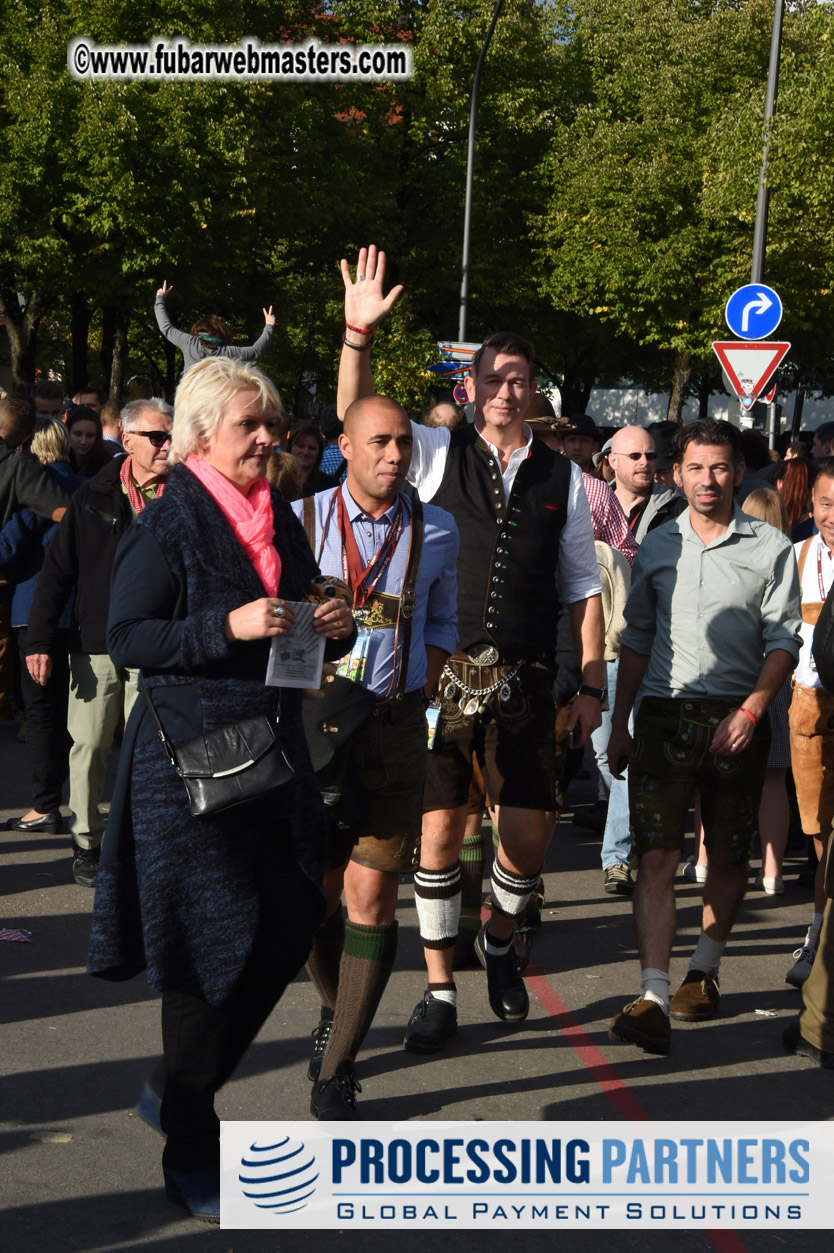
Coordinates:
x,y
82,1172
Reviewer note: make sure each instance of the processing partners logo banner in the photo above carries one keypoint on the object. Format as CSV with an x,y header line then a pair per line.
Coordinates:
x,y
371,1176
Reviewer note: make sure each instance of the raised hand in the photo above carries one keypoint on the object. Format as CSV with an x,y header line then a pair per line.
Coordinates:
x,y
164,289
269,316
365,304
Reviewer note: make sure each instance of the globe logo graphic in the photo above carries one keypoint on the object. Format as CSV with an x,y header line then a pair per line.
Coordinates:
x,y
279,1177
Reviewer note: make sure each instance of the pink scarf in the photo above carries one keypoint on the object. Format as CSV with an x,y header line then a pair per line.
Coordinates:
x,y
250,517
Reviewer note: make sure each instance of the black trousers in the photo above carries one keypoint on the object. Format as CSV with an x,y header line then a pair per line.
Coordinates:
x,y
203,1043
47,737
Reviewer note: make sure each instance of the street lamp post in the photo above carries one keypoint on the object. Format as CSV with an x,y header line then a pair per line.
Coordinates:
x,y
760,228
470,163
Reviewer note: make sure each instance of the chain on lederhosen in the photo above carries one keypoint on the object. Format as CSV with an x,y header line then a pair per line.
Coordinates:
x,y
473,700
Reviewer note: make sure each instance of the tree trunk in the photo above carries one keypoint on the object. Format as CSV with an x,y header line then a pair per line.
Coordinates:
x,y
80,317
108,344
22,328
680,378
798,405
576,394
117,373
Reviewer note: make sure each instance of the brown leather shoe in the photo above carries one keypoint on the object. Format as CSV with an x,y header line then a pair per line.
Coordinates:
x,y
696,999
643,1023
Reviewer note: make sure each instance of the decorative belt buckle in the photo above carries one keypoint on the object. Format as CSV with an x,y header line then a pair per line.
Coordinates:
x,y
484,655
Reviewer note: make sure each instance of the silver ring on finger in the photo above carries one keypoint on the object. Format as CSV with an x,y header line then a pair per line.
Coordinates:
x,y
278,611
360,278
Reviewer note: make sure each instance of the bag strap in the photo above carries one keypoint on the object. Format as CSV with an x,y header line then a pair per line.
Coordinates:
x,y
163,738
408,595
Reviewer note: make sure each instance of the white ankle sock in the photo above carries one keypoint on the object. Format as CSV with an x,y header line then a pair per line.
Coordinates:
x,y
655,986
707,955
449,995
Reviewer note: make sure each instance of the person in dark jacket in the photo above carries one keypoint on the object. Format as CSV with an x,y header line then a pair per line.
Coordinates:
x,y
88,453
24,541
80,560
23,485
220,911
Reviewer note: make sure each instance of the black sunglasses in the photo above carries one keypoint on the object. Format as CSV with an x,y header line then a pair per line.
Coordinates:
x,y
635,456
157,438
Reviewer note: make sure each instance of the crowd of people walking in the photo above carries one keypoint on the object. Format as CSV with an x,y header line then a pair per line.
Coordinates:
x,y
483,595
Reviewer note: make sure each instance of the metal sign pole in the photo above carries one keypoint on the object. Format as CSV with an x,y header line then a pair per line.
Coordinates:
x,y
470,165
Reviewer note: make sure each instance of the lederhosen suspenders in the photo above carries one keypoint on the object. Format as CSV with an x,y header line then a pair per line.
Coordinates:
x,y
408,596
811,609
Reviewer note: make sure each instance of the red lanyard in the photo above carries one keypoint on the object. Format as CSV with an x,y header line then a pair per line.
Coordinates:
x,y
353,572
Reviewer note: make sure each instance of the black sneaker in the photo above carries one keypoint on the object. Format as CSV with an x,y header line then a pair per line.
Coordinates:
x,y
334,1099
321,1039
430,1026
85,866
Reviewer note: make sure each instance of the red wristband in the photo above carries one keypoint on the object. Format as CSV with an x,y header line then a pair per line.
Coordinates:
x,y
752,717
360,330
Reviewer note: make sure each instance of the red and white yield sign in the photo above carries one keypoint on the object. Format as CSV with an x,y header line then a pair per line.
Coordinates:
x,y
750,366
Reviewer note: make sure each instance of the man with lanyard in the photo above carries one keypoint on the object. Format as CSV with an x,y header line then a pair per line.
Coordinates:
x,y
522,514
389,550
711,635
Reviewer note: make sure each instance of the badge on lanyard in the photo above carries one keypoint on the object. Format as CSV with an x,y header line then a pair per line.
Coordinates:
x,y
353,666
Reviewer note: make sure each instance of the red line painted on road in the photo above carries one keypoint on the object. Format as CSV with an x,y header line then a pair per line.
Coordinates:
x,y
603,1073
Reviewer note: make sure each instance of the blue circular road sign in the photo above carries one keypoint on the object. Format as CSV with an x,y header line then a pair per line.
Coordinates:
x,y
754,311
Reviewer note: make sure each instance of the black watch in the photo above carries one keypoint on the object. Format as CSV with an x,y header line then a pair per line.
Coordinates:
x,y
599,693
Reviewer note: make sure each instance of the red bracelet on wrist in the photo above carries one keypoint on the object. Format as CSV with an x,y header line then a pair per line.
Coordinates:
x,y
752,717
360,330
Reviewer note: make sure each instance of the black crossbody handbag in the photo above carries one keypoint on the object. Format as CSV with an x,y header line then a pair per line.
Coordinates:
x,y
224,768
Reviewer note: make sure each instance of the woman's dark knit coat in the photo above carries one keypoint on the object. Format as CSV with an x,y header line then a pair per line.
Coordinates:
x,y
177,895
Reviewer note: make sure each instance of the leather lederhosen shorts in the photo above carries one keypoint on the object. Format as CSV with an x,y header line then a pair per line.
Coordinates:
x,y
512,739
389,754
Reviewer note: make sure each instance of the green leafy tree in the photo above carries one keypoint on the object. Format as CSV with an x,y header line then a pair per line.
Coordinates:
x,y
657,103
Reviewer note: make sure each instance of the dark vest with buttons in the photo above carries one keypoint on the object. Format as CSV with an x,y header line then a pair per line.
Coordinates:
x,y
509,554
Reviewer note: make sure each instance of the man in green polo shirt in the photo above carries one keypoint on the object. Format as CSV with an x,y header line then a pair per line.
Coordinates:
x,y
712,634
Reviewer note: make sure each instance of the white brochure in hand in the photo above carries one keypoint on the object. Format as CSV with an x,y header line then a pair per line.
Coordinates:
x,y
295,659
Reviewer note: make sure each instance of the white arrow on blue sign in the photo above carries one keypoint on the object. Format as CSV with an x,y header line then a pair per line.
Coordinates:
x,y
753,311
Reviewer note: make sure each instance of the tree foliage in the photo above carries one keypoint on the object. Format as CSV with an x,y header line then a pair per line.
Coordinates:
x,y
653,167
615,179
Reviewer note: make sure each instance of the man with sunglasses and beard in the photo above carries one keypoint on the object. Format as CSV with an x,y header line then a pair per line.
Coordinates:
x,y
79,562
646,504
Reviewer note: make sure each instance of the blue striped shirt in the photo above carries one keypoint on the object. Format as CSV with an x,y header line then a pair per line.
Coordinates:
x,y
435,616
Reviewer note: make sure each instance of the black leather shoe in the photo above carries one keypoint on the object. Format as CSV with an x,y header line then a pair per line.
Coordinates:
x,y
85,866
507,990
430,1026
321,1038
334,1099
794,1042
49,823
